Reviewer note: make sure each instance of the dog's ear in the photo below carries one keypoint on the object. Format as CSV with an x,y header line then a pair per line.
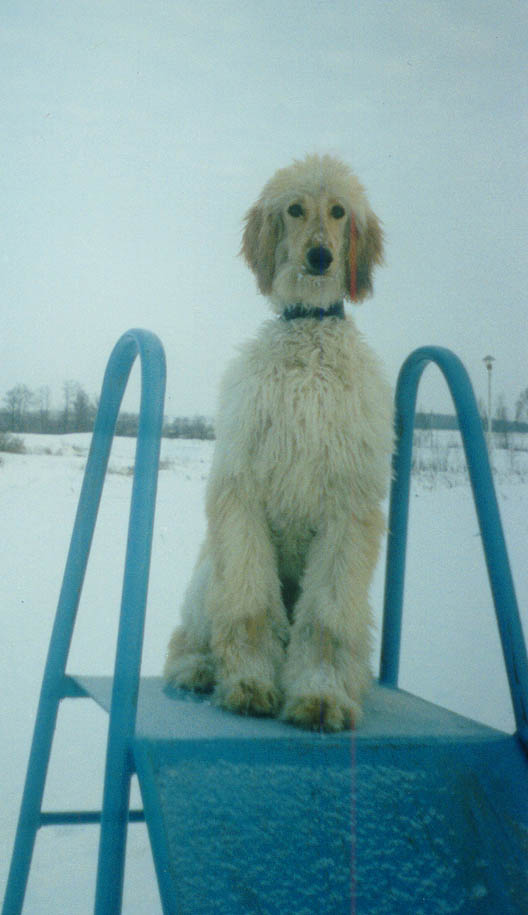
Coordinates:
x,y
261,234
364,255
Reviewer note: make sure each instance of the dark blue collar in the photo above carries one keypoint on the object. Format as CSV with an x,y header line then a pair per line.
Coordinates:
x,y
304,311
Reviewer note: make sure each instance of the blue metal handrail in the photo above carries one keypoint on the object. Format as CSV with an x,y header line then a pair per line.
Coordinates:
x,y
494,545
55,684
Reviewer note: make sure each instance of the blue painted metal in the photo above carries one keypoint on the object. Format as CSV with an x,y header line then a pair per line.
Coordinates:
x,y
55,684
420,810
493,542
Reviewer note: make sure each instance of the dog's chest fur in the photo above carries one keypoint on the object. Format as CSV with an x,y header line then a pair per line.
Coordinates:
x,y
312,417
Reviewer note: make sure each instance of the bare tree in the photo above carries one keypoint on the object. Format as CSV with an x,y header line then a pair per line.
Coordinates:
x,y
83,411
483,412
69,389
521,407
43,398
502,421
18,400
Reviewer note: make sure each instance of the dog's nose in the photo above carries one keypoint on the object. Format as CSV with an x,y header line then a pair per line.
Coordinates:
x,y
319,259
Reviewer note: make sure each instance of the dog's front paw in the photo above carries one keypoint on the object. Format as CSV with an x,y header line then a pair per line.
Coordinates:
x,y
322,712
248,696
191,671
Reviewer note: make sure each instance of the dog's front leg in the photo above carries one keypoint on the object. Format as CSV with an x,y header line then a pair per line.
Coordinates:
x,y
327,668
248,621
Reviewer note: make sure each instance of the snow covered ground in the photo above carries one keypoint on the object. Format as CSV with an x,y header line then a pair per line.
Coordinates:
x,y
451,652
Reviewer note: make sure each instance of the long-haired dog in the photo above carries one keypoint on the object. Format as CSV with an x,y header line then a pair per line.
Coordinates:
x,y
276,618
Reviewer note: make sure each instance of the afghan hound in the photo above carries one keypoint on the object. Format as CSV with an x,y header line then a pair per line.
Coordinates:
x,y
276,619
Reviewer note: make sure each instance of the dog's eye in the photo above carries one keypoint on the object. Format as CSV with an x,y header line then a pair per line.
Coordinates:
x,y
337,211
296,210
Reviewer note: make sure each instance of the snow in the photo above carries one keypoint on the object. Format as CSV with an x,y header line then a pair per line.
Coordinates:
x,y
451,652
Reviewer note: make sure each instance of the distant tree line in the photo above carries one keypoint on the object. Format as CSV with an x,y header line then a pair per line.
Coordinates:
x,y
30,411
190,427
24,410
499,423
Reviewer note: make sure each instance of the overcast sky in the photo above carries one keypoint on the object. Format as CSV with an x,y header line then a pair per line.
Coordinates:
x,y
135,135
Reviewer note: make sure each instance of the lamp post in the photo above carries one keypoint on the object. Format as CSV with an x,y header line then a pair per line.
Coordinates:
x,y
488,362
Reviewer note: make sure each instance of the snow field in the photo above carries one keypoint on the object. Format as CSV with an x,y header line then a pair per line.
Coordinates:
x,y
450,654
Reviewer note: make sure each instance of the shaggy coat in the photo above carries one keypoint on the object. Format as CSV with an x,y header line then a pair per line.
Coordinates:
x,y
276,618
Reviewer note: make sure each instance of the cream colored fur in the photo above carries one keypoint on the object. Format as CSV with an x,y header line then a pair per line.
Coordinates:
x,y
301,464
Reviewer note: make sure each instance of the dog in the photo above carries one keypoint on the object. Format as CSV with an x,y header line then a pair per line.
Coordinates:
x,y
276,619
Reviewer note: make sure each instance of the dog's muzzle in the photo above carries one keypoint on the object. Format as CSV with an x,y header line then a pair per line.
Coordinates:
x,y
319,259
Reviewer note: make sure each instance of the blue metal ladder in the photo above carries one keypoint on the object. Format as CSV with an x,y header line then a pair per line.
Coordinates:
x,y
421,810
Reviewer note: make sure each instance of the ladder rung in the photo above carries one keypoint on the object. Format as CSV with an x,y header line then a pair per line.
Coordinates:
x,y
79,817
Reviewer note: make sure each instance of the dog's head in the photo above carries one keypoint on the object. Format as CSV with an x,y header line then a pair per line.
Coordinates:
x,y
312,238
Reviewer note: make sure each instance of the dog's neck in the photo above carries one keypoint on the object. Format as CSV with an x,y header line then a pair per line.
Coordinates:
x,y
291,312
